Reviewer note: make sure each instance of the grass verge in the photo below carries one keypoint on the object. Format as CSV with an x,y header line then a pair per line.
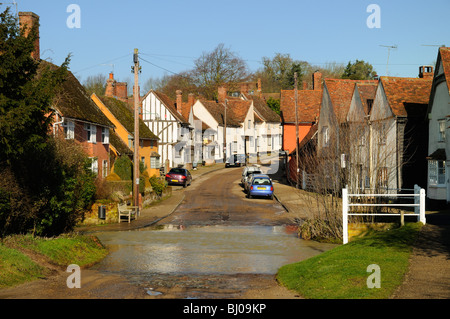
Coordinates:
x,y
24,257
341,273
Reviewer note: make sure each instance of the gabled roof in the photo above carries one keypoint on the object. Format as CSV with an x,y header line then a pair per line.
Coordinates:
x,y
170,105
237,110
366,92
262,109
72,101
217,111
341,93
308,101
400,91
125,116
445,60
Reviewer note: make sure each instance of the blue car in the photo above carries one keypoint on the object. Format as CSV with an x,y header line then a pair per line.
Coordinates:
x,y
260,185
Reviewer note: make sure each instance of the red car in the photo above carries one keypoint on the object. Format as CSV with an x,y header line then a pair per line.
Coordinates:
x,y
179,176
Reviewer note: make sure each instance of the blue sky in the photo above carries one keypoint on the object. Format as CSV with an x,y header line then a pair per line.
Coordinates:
x,y
172,33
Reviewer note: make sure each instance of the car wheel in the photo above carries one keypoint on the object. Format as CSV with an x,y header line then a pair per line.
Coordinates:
x,y
271,197
185,185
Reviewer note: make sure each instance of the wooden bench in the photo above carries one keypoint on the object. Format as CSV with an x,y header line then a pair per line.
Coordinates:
x,y
128,211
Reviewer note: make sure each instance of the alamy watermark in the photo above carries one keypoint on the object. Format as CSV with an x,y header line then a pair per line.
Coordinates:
x,y
74,19
74,280
374,20
374,280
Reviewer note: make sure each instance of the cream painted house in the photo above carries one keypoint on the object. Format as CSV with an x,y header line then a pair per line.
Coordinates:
x,y
438,174
166,120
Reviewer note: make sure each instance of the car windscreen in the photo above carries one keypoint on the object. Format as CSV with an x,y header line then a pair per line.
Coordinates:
x,y
253,172
261,181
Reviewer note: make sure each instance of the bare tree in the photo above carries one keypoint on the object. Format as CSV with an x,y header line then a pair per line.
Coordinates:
x,y
95,84
218,67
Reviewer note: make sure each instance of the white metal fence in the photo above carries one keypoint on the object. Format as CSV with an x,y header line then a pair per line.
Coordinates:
x,y
419,206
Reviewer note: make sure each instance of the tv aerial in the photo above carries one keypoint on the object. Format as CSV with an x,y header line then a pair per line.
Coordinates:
x,y
389,47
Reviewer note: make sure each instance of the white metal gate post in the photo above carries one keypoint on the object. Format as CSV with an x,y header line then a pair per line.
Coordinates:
x,y
422,206
419,200
345,215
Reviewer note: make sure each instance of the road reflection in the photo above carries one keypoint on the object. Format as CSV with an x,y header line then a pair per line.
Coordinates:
x,y
174,249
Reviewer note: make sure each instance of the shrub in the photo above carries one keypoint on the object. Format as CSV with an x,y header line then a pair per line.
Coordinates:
x,y
123,167
158,185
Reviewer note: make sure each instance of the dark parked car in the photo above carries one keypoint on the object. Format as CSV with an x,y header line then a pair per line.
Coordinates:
x,y
235,160
179,176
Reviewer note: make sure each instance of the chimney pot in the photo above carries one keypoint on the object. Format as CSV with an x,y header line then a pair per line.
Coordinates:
x,y
426,71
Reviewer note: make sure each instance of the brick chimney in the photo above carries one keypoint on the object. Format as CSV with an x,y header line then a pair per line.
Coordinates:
x,y
31,20
191,99
426,72
121,91
221,94
110,86
317,81
244,88
259,88
179,101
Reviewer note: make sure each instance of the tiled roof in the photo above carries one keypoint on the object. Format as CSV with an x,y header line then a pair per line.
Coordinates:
x,y
237,110
263,110
217,110
367,91
309,102
406,90
341,93
170,105
125,116
445,60
72,101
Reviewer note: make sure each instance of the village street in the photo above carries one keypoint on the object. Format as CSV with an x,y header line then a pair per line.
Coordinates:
x,y
216,244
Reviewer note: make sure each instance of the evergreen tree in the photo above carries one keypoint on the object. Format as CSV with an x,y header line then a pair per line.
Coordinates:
x,y
359,70
43,188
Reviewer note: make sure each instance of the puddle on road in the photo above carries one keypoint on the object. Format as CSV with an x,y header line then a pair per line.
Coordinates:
x,y
203,250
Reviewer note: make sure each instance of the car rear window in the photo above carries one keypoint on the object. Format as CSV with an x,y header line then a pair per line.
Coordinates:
x,y
177,171
261,181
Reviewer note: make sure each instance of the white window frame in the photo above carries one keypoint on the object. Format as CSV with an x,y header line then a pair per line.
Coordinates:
x,y
105,135
91,133
105,168
436,173
94,165
154,162
442,126
69,129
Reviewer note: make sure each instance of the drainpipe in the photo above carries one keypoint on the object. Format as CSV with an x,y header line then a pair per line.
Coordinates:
x,y
57,123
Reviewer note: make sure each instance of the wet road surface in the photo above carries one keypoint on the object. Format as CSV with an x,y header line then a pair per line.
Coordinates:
x,y
217,244
220,200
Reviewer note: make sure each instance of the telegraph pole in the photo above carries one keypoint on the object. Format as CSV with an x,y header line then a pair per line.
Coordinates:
x,y
136,130
296,129
225,135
